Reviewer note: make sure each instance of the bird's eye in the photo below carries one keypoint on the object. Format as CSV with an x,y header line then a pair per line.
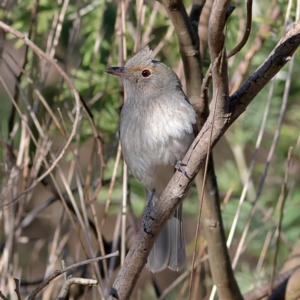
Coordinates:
x,y
146,73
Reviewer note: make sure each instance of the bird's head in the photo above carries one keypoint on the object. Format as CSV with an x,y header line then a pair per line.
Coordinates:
x,y
142,74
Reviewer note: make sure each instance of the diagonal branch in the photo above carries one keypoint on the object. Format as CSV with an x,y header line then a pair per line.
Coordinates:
x,y
57,273
195,157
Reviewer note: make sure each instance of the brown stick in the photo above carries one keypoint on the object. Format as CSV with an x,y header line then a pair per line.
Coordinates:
x,y
59,272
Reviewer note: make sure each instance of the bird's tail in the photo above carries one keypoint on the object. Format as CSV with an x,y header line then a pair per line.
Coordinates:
x,y
169,248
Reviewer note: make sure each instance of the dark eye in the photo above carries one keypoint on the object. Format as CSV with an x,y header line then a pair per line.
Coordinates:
x,y
146,73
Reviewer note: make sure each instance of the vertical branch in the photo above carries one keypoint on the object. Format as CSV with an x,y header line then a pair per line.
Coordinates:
x,y
188,41
213,225
31,30
122,58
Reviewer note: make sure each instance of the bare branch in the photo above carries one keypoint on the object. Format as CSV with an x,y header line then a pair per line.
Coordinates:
x,y
219,260
282,200
2,296
74,280
245,38
43,55
59,272
17,289
203,27
237,77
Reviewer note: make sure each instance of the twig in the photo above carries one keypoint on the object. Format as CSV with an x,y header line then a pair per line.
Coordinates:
x,y
43,55
188,41
213,224
245,38
111,185
150,24
207,79
33,19
181,277
67,269
74,280
263,253
17,289
270,154
282,201
258,42
253,160
203,27
122,58
196,13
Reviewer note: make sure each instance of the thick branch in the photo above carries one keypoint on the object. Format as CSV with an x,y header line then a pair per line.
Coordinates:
x,y
216,42
219,260
195,157
203,27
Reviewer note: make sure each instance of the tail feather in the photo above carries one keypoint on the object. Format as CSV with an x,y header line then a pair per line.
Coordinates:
x,y
169,248
177,252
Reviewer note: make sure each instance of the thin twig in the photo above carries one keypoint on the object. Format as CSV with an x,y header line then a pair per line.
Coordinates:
x,y
67,269
17,289
253,160
74,280
269,158
282,199
245,38
32,25
43,55
111,186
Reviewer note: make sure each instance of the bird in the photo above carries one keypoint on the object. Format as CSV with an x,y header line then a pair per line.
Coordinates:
x,y
157,127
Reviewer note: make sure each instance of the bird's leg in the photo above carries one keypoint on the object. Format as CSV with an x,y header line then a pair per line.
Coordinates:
x,y
180,167
148,214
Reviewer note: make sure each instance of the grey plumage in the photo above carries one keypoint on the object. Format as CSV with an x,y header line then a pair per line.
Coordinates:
x,y
156,130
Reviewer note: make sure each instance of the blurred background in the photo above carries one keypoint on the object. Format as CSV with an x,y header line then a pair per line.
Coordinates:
x,y
62,178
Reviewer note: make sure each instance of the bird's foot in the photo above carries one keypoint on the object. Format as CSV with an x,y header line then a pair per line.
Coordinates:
x,y
180,167
148,214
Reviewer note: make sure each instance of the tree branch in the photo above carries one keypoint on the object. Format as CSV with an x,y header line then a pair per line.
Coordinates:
x,y
57,273
219,259
188,41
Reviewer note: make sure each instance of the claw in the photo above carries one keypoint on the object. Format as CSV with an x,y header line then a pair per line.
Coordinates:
x,y
148,214
179,167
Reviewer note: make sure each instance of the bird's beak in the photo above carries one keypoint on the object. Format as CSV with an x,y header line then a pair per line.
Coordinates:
x,y
118,71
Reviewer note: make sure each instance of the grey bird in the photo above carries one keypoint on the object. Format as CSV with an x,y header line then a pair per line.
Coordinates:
x,y
156,130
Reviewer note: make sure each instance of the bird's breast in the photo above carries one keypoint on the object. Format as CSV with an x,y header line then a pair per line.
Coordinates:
x,y
155,135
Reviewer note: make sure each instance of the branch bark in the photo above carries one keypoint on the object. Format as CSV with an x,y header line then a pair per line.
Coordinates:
x,y
219,259
188,41
209,135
